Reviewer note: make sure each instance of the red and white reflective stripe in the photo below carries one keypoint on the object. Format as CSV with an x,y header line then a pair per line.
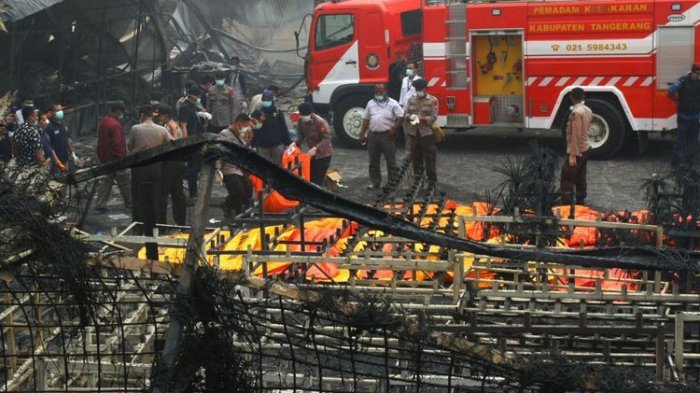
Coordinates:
x,y
439,82
620,81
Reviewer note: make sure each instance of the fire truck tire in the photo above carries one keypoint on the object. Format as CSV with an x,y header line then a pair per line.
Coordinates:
x,y
606,134
347,119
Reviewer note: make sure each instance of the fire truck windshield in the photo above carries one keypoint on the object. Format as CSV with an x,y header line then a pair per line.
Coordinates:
x,y
334,30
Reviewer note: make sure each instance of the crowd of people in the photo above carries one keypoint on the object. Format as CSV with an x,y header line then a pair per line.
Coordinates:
x,y
35,137
218,104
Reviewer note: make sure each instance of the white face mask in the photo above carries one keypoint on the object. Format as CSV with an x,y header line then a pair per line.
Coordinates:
x,y
420,94
306,119
244,130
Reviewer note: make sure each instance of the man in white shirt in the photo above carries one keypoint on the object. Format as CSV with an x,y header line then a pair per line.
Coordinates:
x,y
382,119
408,91
25,101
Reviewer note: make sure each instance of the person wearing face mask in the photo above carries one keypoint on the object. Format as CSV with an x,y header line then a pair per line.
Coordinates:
x,y
421,113
49,151
256,101
273,136
28,148
173,172
236,182
257,118
190,125
382,118
57,132
111,146
408,91
221,101
315,131
686,93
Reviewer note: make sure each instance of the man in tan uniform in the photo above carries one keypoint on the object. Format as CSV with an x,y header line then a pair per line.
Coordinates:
x,y
421,112
146,182
573,172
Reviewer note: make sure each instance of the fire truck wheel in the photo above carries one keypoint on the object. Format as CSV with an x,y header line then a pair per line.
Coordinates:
x,y
606,134
347,119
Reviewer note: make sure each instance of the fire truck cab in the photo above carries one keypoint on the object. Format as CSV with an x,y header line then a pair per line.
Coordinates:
x,y
508,63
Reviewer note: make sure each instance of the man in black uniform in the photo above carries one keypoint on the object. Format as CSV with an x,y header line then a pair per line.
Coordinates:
x,y
190,125
686,92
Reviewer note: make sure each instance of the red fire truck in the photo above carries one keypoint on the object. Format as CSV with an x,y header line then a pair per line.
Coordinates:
x,y
508,63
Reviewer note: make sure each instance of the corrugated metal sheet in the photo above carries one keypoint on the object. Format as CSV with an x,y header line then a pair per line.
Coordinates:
x,y
20,9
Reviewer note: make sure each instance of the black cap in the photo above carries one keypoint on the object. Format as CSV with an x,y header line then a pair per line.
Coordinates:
x,y
194,91
420,83
306,108
257,114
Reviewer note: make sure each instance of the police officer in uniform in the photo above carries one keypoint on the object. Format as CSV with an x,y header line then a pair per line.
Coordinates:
x,y
421,113
146,181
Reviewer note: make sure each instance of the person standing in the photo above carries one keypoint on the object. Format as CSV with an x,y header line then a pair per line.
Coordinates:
x,y
408,91
57,132
146,184
111,146
236,182
24,102
421,113
272,138
686,93
173,172
207,83
382,118
190,125
28,148
49,151
256,101
407,88
237,82
316,132
222,105
573,171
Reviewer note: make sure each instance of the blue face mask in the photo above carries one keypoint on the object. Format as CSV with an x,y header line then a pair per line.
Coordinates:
x,y
220,83
379,97
266,104
58,115
409,72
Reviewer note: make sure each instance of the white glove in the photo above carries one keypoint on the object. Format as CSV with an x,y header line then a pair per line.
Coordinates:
x,y
414,120
312,151
244,107
291,149
75,159
204,115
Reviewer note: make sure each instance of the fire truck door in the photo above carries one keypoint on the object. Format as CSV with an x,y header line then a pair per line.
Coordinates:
x,y
335,57
674,55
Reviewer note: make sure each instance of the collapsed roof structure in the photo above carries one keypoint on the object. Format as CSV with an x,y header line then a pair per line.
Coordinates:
x,y
86,52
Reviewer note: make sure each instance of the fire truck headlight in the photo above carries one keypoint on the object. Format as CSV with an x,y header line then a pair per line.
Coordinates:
x,y
372,61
